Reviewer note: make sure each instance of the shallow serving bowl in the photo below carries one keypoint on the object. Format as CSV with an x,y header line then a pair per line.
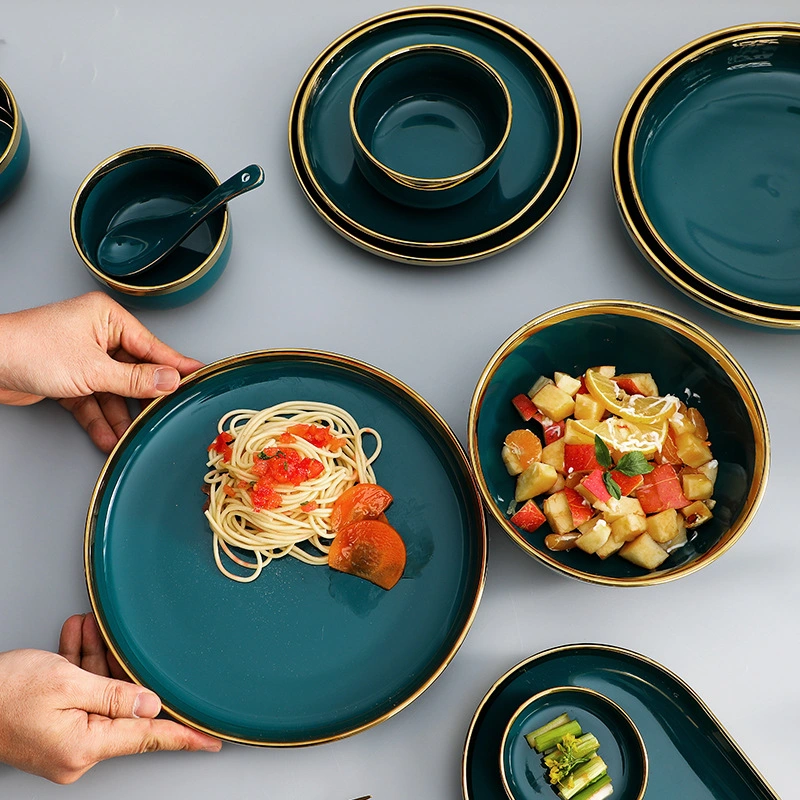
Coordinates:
x,y
685,361
14,143
144,181
706,171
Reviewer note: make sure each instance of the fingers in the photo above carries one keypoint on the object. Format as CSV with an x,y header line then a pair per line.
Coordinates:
x,y
69,644
91,418
93,648
96,694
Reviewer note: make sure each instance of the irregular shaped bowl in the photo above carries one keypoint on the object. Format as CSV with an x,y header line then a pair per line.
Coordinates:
x,y
15,145
685,361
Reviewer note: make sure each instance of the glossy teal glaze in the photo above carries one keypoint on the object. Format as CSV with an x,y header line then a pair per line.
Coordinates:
x,y
525,163
144,182
302,654
690,754
716,166
12,170
680,367
620,745
430,114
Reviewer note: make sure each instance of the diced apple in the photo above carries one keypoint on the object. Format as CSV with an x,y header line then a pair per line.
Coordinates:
x,y
574,479
700,427
537,479
627,528
663,527
550,430
567,383
559,485
637,383
661,489
669,450
579,458
696,514
529,517
520,449
595,536
644,552
693,450
553,454
680,538
627,483
592,488
696,486
608,371
609,548
586,407
622,507
579,432
581,511
710,470
680,422
553,402
527,410
556,510
539,383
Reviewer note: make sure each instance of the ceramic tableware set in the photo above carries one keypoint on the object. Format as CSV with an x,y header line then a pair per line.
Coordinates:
x,y
435,136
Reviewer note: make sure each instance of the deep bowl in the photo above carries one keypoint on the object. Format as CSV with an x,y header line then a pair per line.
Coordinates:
x,y
429,123
686,362
621,745
14,143
146,181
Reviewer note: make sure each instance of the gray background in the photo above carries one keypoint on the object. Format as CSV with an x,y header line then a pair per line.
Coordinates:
x,y
217,79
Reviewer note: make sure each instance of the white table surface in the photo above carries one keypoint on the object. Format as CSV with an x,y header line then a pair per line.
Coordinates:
x,y
217,79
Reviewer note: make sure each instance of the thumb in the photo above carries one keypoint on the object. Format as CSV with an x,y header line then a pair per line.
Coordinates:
x,y
136,380
115,699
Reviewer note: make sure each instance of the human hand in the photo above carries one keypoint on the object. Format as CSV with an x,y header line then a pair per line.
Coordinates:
x,y
89,353
58,720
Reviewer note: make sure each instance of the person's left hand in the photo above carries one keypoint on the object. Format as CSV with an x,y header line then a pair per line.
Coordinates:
x,y
89,353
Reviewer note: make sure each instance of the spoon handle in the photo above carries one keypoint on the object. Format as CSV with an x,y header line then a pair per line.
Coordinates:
x,y
241,182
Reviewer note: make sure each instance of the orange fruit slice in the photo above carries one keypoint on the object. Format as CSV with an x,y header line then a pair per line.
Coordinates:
x,y
636,408
622,436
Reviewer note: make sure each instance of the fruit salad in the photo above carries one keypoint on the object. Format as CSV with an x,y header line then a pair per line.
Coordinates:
x,y
611,465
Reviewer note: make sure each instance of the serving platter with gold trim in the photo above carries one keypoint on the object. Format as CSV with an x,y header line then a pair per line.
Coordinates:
x,y
303,654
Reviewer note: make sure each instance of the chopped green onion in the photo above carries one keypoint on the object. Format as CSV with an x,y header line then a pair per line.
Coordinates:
x,y
596,790
563,719
554,736
579,779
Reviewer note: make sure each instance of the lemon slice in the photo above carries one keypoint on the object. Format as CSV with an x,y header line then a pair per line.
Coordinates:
x,y
622,436
637,408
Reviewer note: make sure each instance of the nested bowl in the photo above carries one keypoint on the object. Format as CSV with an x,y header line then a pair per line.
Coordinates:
x,y
14,143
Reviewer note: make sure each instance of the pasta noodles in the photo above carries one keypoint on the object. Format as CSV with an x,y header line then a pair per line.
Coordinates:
x,y
274,475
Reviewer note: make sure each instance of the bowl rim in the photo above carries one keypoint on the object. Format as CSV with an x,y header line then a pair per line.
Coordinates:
x,y
624,145
412,181
695,334
7,154
591,693
105,167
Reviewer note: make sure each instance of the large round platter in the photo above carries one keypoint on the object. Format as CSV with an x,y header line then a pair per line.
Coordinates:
x,y
536,168
717,217
303,654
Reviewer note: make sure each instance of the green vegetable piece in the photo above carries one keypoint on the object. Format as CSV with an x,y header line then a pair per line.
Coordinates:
x,y
596,790
634,463
554,736
569,754
562,719
579,779
602,453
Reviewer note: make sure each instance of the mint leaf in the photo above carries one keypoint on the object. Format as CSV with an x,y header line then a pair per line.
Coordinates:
x,y
601,453
634,463
612,486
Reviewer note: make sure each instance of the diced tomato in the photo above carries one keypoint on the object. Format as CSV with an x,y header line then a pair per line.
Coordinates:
x,y
579,458
527,410
222,445
529,517
264,496
362,501
286,438
660,490
627,484
594,483
229,491
311,506
242,484
318,435
371,550
312,467
580,509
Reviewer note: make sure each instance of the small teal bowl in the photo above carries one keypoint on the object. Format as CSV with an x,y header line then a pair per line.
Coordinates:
x,y
621,744
15,148
144,181
429,123
686,362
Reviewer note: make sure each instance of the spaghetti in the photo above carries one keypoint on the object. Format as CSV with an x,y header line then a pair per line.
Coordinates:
x,y
274,476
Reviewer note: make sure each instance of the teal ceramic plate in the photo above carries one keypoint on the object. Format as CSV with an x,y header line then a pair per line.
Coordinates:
x,y
303,654
708,143
690,754
686,362
621,745
536,167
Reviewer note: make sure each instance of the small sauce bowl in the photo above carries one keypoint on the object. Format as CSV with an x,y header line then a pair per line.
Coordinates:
x,y
14,143
144,181
429,123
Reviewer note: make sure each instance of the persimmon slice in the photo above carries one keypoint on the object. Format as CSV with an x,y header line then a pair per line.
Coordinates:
x,y
370,549
362,501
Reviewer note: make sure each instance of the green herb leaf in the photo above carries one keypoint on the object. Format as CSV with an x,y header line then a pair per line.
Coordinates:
x,y
263,456
601,453
634,463
612,486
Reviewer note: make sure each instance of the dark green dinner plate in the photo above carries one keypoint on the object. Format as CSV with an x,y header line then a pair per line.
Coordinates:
x,y
690,754
536,167
303,654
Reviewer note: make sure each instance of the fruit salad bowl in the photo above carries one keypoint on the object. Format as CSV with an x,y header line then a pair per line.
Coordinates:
x,y
618,443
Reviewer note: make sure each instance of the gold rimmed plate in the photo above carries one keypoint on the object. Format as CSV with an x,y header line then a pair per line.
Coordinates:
x,y
303,654
536,167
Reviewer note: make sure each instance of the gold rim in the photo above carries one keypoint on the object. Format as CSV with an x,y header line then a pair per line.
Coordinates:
x,y
11,148
286,354
601,648
411,181
108,165
694,334
333,215
591,693
624,154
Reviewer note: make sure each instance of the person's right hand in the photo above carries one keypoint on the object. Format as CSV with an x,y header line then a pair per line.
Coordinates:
x,y
58,720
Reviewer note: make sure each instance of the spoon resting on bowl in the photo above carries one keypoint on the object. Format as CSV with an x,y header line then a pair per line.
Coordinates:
x,y
139,244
